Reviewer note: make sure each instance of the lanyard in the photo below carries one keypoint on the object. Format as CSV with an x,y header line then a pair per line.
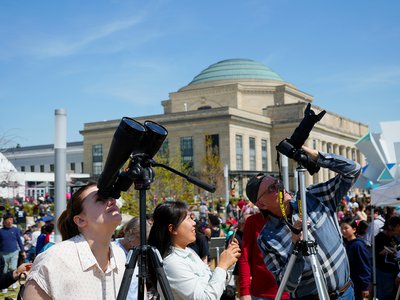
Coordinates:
x,y
282,206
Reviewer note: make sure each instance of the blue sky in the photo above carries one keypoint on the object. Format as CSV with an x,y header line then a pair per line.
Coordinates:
x,y
102,60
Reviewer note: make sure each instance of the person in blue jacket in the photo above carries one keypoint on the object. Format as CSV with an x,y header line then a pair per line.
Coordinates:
x,y
359,258
10,244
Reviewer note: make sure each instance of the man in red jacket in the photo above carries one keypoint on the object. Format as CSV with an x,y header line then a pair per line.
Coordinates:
x,y
255,281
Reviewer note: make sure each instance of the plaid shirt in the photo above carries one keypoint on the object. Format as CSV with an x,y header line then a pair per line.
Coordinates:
x,y
275,240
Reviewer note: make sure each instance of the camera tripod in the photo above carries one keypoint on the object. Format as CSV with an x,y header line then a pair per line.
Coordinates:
x,y
304,247
143,254
141,172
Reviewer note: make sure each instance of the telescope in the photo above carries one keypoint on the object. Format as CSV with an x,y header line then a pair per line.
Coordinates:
x,y
291,147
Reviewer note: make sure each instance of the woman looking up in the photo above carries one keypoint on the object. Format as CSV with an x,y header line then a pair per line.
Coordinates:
x,y
188,276
85,265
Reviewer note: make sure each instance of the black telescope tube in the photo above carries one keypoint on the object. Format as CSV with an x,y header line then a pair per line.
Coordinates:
x,y
126,139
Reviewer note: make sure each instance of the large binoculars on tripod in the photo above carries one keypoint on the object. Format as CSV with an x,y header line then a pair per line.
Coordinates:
x,y
291,147
130,139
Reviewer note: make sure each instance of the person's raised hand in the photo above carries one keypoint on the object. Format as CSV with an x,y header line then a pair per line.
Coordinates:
x,y
229,256
23,268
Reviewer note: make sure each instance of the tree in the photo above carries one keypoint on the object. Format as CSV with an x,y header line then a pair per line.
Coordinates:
x,y
212,170
6,140
169,185
166,185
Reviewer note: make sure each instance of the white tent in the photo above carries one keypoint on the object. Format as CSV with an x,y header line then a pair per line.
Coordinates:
x,y
385,195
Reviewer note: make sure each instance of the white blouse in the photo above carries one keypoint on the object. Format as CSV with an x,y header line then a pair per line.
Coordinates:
x,y
69,270
190,278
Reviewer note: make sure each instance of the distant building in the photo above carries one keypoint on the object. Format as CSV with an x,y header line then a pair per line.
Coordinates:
x,y
36,164
245,109
11,182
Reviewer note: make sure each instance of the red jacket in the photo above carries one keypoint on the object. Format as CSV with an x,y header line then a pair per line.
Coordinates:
x,y
254,277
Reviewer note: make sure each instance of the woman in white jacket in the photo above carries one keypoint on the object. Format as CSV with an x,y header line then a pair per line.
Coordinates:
x,y
188,276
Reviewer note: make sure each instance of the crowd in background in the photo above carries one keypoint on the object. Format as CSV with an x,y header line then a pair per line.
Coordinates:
x,y
20,246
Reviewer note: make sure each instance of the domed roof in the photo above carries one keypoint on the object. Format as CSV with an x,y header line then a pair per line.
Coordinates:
x,y
233,69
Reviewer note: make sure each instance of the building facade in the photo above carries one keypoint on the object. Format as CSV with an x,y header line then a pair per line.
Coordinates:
x,y
35,166
246,109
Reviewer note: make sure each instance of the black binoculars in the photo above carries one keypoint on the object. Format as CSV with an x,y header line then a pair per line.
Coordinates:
x,y
130,139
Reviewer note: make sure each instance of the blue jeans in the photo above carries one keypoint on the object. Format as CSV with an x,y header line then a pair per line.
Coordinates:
x,y
347,295
10,260
259,298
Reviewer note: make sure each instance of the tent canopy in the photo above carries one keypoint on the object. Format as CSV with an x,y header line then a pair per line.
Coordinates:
x,y
387,195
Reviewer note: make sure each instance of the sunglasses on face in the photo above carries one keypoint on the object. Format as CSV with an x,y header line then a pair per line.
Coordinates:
x,y
273,188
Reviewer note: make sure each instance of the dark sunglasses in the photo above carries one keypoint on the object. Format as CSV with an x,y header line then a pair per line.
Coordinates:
x,y
274,187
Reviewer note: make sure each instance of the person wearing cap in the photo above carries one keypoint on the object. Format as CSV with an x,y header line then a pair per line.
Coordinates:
x,y
277,239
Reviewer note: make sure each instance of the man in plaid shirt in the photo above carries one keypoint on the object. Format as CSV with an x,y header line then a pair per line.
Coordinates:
x,y
276,240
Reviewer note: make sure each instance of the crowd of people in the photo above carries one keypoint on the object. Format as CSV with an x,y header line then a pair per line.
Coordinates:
x,y
266,227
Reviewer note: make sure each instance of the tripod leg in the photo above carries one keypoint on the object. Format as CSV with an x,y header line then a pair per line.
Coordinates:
x,y
321,287
156,262
127,278
286,275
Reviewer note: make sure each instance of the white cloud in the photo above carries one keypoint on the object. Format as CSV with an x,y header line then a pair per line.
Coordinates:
x,y
68,46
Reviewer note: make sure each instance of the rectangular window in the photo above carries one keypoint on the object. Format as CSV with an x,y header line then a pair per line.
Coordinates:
x,y
187,150
22,168
314,143
72,167
97,153
264,158
97,168
239,152
213,142
252,150
42,168
32,168
164,150
51,168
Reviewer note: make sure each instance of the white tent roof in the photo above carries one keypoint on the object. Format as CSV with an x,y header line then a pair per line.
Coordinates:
x,y
387,195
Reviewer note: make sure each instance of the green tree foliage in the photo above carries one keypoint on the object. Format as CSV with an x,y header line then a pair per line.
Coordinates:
x,y
166,185
212,170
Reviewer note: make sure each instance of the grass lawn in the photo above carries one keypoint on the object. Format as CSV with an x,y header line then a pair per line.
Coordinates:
x,y
11,293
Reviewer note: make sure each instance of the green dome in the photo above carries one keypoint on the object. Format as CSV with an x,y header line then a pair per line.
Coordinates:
x,y
235,69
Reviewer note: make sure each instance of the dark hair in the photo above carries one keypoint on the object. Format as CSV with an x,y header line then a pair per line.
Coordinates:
x,y
214,220
48,228
360,226
66,224
391,223
8,216
165,214
377,210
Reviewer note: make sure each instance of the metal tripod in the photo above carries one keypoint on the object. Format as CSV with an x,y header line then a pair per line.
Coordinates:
x,y
305,247
142,253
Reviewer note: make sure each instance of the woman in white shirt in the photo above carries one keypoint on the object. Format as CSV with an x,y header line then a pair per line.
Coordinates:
x,y
188,276
85,265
